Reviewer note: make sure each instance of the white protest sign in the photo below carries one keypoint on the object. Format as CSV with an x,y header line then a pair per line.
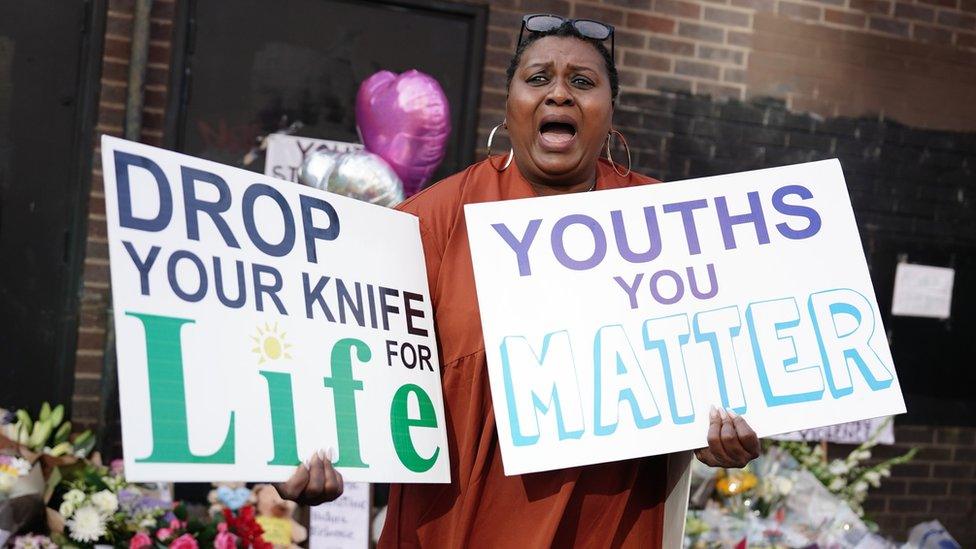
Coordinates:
x,y
343,523
613,320
922,290
853,432
286,153
258,321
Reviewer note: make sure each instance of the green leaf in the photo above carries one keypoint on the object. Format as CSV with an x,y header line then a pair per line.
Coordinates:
x,y
57,415
45,411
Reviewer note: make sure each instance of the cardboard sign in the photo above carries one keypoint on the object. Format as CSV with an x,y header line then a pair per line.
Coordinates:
x,y
258,321
853,432
343,523
286,153
613,320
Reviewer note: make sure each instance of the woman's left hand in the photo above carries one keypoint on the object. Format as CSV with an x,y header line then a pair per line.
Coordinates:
x,y
731,442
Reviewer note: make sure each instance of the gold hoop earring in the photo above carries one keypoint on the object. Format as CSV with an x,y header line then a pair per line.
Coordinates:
x,y
626,148
511,152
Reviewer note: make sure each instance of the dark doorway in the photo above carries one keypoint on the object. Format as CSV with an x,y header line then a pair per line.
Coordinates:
x,y
247,72
48,82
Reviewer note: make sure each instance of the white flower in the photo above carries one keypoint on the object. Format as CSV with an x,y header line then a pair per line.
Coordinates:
x,y
838,467
22,466
75,496
837,484
87,525
873,477
147,523
784,486
66,509
106,502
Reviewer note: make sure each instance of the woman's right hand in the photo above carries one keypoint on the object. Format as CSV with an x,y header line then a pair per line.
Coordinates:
x,y
313,483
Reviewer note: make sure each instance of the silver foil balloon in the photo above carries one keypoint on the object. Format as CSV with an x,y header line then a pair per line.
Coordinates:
x,y
357,174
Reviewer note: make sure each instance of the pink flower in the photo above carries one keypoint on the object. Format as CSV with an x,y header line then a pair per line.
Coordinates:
x,y
139,541
176,524
163,534
186,541
221,526
225,540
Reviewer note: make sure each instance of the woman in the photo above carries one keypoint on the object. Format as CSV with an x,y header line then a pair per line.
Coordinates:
x,y
561,92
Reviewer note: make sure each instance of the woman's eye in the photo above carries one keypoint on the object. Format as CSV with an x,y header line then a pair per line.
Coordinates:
x,y
582,82
538,79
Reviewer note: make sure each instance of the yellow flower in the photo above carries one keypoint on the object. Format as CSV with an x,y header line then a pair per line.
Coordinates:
x,y
736,482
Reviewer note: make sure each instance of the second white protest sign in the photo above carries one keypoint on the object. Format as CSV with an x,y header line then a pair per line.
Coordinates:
x,y
613,320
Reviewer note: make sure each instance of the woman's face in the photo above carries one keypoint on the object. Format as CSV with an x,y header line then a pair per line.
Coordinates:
x,y
559,111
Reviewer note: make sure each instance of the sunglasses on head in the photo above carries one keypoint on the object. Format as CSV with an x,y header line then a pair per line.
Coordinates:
x,y
544,22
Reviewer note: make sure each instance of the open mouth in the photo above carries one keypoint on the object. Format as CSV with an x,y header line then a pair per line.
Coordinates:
x,y
556,132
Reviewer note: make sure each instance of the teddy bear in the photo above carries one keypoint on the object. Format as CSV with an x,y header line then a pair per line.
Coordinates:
x,y
277,517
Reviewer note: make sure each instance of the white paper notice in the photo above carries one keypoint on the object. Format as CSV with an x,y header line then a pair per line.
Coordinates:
x,y
286,153
922,290
853,432
343,523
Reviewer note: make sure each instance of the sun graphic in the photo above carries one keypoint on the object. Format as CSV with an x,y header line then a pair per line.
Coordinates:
x,y
269,344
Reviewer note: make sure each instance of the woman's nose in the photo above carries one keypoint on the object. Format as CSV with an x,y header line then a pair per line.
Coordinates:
x,y
559,95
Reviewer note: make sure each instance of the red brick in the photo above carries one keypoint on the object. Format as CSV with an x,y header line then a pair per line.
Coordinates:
x,y
629,39
743,39
630,78
636,4
890,26
723,55
89,363
160,30
928,488
933,35
966,40
604,14
881,7
555,7
718,91
917,505
943,3
838,17
666,83
954,471
93,248
675,47
728,17
701,32
942,507
968,5
959,20
117,48
800,11
914,11
693,68
678,8
650,22
644,61
767,6
118,26
737,76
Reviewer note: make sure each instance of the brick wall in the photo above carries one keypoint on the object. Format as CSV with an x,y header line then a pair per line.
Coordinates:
x,y
87,405
717,86
938,483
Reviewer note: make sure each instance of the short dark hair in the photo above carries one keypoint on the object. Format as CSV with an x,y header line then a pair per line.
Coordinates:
x,y
567,30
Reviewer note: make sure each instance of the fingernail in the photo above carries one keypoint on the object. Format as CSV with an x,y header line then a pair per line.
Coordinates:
x,y
721,412
321,454
712,413
331,454
732,414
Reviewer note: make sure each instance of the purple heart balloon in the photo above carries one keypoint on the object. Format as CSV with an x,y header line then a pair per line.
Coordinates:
x,y
406,120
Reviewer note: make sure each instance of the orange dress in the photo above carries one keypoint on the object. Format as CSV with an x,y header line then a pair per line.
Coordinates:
x,y
619,504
